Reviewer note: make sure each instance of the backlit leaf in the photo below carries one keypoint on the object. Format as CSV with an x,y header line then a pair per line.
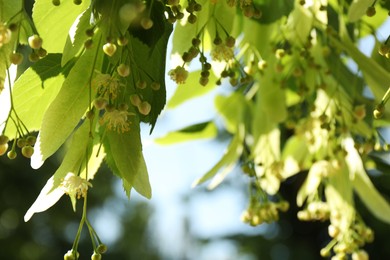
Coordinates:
x,y
66,110
195,132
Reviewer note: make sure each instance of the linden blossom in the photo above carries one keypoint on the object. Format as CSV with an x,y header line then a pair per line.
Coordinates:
x,y
75,186
116,120
222,52
179,74
106,85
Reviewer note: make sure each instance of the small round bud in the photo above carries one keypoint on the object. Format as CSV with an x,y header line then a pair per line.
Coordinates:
x,y
21,142
3,139
144,108
16,58
35,42
217,40
96,256
123,107
27,151
379,111
180,15
205,73
370,11
56,2
203,81
13,27
33,57
88,44
3,148
31,140
192,18
110,108
122,41
11,154
71,255
77,2
155,86
90,114
109,49
102,248
100,103
195,42
249,11
135,100
146,23
280,53
230,41
257,14
123,70
359,112
90,32
197,7
141,84
41,52
384,49
325,252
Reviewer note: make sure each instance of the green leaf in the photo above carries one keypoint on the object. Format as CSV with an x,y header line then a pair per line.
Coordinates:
x,y
375,75
28,93
76,37
48,67
370,196
53,22
194,132
228,160
184,31
9,8
298,25
72,161
272,11
126,159
363,186
232,109
151,64
66,110
191,89
357,9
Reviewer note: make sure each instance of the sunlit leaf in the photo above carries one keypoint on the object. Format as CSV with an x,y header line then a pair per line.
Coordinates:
x,y
194,132
127,160
53,22
76,37
66,110
76,153
271,11
232,109
230,157
28,92
357,9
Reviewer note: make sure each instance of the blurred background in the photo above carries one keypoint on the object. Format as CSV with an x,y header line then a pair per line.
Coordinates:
x,y
178,222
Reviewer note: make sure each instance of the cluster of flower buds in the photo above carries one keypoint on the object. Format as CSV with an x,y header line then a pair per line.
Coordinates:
x,y
348,242
175,11
315,210
263,212
26,145
248,8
